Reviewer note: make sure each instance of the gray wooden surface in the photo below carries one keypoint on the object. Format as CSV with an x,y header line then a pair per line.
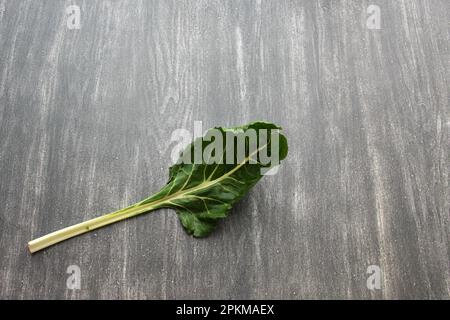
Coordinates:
x,y
86,118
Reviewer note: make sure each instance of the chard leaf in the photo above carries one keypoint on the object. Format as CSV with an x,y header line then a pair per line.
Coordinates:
x,y
204,193
202,189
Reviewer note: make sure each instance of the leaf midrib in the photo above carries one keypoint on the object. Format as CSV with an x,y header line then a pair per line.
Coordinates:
x,y
203,185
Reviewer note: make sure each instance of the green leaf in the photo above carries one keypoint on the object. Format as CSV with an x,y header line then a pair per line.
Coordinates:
x,y
202,194
212,174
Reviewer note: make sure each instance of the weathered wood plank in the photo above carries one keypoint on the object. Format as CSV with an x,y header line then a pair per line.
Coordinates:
x,y
86,118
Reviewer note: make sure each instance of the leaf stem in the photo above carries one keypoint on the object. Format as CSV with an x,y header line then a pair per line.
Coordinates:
x,y
89,225
138,208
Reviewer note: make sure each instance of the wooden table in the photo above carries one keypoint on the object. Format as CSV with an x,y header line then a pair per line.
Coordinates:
x,y
87,116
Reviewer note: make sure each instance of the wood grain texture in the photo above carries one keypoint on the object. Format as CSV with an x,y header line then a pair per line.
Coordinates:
x,y
86,118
